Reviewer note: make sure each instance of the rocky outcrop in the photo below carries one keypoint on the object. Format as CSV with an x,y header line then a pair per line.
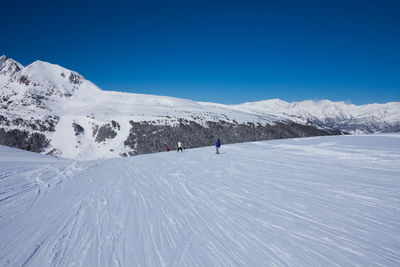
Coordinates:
x,y
78,129
9,67
75,78
105,132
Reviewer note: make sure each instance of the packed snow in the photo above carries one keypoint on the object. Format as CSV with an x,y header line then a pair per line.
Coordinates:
x,y
324,201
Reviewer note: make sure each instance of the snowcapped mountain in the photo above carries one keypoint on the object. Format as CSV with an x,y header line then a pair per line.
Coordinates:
x,y
348,117
47,108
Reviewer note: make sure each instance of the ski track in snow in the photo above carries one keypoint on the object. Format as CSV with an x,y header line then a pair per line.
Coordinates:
x,y
324,201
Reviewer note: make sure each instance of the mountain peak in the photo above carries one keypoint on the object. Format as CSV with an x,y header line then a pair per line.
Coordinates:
x,y
3,58
47,71
42,64
9,67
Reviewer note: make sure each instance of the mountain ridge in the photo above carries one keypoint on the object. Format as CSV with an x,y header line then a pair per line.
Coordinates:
x,y
74,118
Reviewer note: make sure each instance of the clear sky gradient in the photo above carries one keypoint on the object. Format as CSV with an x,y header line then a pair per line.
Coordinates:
x,y
219,51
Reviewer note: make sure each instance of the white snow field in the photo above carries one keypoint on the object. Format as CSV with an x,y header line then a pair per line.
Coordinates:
x,y
324,201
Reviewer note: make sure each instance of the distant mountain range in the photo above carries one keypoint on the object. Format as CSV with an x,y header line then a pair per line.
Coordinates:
x,y
49,109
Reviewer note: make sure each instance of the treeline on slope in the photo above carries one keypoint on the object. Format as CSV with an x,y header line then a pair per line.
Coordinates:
x,y
46,124
351,125
35,142
147,137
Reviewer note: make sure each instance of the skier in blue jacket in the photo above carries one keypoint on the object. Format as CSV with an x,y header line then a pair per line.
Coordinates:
x,y
218,145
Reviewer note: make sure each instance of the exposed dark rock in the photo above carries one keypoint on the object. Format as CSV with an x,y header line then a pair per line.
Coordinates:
x,y
78,129
115,125
95,129
75,78
24,80
52,122
4,121
38,99
105,132
35,142
146,137
52,152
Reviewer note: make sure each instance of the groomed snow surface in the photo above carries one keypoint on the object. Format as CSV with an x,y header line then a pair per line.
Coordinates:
x,y
322,201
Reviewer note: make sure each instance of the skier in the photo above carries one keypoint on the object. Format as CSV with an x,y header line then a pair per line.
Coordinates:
x,y
217,146
179,146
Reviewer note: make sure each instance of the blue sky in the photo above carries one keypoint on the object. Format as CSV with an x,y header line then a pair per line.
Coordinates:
x,y
220,51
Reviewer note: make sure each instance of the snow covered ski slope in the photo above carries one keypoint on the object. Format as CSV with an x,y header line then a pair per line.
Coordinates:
x,y
326,201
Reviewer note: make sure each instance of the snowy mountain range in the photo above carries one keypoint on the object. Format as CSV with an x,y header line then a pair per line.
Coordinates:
x,y
49,109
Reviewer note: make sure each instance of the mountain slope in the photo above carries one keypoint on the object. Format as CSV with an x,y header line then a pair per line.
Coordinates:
x,y
47,108
305,202
348,117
